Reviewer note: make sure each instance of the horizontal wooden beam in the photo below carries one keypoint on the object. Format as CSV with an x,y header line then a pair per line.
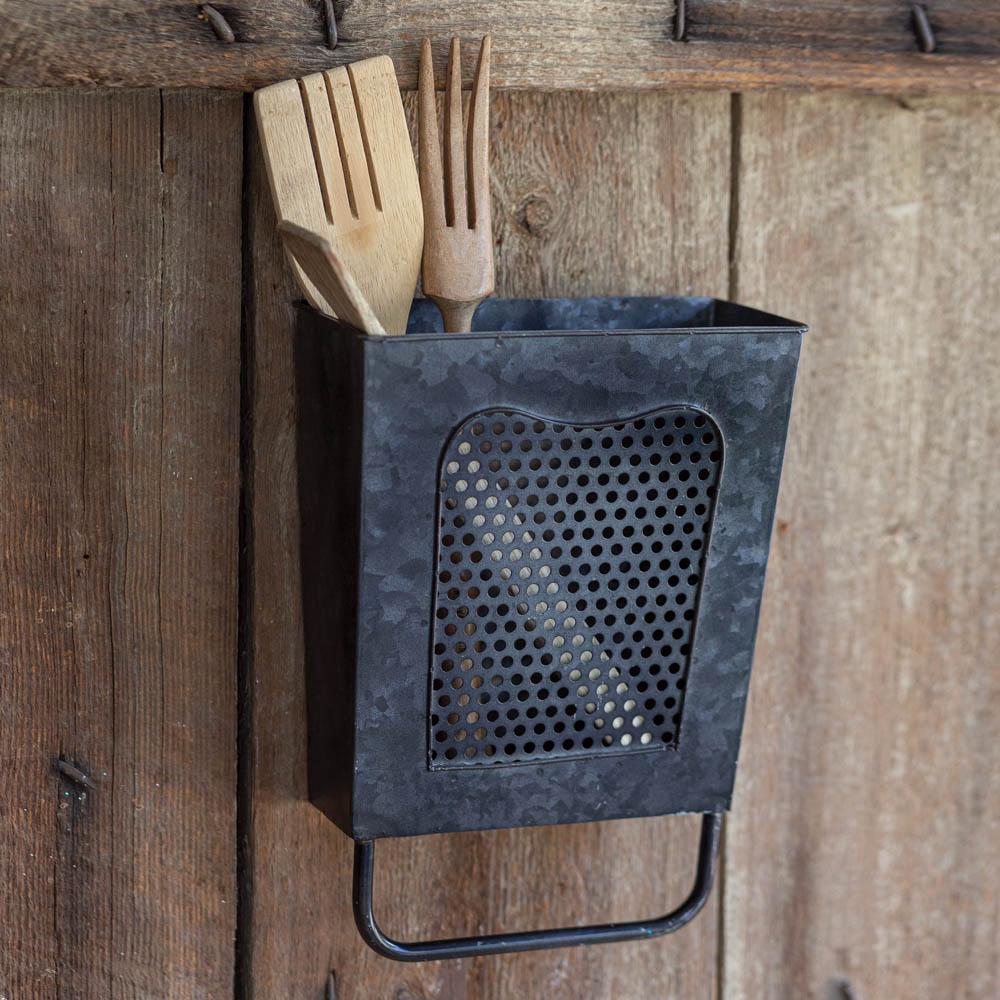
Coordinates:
x,y
545,44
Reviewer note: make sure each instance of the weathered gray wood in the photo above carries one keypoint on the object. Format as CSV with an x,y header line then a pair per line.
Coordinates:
x,y
119,386
572,177
863,838
551,44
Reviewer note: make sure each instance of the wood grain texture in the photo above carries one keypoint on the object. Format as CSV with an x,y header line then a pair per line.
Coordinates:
x,y
571,174
549,44
119,361
863,839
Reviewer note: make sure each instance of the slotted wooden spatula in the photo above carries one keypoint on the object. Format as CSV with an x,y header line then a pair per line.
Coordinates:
x,y
340,165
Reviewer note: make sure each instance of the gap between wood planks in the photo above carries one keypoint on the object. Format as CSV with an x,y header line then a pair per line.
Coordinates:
x,y
244,669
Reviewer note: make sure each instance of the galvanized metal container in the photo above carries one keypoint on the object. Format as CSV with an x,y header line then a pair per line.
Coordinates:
x,y
533,558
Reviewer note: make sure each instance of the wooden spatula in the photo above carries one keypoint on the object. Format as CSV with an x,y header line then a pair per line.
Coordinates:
x,y
340,165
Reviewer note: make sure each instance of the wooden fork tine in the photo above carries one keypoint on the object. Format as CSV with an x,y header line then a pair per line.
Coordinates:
x,y
454,160
429,146
477,145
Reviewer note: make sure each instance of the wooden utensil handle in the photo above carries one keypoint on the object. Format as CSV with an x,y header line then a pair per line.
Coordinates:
x,y
457,315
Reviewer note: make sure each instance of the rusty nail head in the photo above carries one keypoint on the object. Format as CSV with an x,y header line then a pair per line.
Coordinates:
x,y
219,24
680,19
922,26
331,24
74,774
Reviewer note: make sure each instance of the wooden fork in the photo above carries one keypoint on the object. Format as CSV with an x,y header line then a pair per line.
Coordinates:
x,y
458,232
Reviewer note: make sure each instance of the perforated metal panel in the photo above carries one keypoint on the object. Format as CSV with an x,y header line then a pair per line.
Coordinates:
x,y
569,569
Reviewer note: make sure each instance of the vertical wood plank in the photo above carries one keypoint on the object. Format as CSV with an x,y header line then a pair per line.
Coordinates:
x,y
862,844
592,195
119,382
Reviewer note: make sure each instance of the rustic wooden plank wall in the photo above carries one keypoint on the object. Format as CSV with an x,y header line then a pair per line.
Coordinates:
x,y
119,383
861,845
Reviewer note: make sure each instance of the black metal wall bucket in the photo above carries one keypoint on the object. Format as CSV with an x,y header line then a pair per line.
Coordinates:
x,y
533,558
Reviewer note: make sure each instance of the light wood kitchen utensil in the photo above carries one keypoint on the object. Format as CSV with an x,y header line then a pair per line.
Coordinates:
x,y
324,268
340,165
458,232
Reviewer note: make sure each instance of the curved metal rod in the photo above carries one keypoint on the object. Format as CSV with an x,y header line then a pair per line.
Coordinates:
x,y
563,937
